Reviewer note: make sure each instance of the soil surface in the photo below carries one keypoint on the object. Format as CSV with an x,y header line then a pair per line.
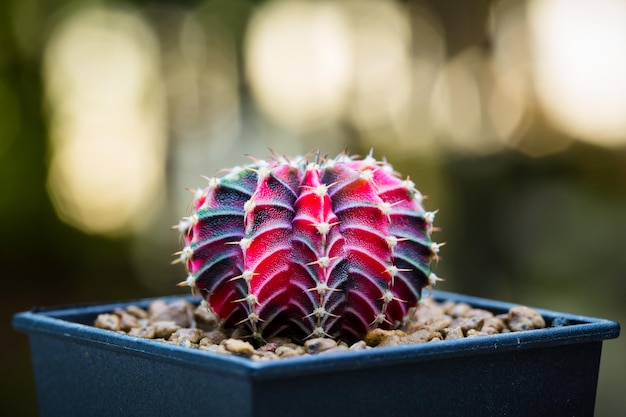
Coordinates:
x,y
185,324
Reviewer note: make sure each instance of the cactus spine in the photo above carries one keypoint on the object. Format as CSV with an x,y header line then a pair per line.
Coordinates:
x,y
331,248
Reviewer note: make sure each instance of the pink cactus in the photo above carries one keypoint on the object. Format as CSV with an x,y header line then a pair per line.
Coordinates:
x,y
331,248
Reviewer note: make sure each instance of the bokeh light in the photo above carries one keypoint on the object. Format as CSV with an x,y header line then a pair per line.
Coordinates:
x,y
579,52
457,108
380,33
509,105
299,60
106,120
413,127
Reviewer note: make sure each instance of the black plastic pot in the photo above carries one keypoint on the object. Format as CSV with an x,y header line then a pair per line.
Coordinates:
x,y
84,371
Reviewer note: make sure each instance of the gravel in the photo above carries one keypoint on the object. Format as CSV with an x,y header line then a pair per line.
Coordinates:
x,y
185,324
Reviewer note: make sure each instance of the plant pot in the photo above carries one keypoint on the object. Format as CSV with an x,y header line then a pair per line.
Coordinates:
x,y
81,370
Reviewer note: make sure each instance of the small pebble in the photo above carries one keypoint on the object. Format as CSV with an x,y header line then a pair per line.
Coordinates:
x,y
286,351
156,309
459,310
165,329
360,345
205,341
182,334
127,321
391,340
419,336
439,322
475,333
238,347
208,347
215,336
453,333
179,311
425,312
108,322
217,349
478,312
335,349
319,344
495,323
184,342
467,323
260,355
488,330
136,311
268,347
205,319
377,336
145,332
525,318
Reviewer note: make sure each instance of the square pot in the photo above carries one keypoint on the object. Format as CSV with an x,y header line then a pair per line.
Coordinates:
x,y
81,370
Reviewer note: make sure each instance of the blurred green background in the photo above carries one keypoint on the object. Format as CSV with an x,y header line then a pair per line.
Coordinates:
x,y
509,115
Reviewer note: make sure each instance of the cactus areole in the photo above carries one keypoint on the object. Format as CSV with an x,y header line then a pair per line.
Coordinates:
x,y
309,247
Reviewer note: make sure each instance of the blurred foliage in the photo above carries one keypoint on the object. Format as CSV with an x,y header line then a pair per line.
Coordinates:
x,y
540,223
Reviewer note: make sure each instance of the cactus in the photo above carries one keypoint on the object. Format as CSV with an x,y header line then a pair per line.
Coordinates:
x,y
331,248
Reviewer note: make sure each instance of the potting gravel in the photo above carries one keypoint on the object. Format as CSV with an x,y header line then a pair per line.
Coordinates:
x,y
185,324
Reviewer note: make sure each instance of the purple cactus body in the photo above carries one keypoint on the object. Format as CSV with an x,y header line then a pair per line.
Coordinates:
x,y
332,248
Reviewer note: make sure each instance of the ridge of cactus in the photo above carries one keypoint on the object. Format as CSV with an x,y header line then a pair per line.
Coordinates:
x,y
333,247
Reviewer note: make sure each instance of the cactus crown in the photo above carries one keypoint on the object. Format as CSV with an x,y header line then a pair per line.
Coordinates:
x,y
323,248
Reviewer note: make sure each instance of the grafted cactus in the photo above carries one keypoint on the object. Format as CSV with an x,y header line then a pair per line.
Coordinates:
x,y
323,248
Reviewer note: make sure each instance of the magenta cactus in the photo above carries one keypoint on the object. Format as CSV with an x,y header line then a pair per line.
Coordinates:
x,y
331,248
